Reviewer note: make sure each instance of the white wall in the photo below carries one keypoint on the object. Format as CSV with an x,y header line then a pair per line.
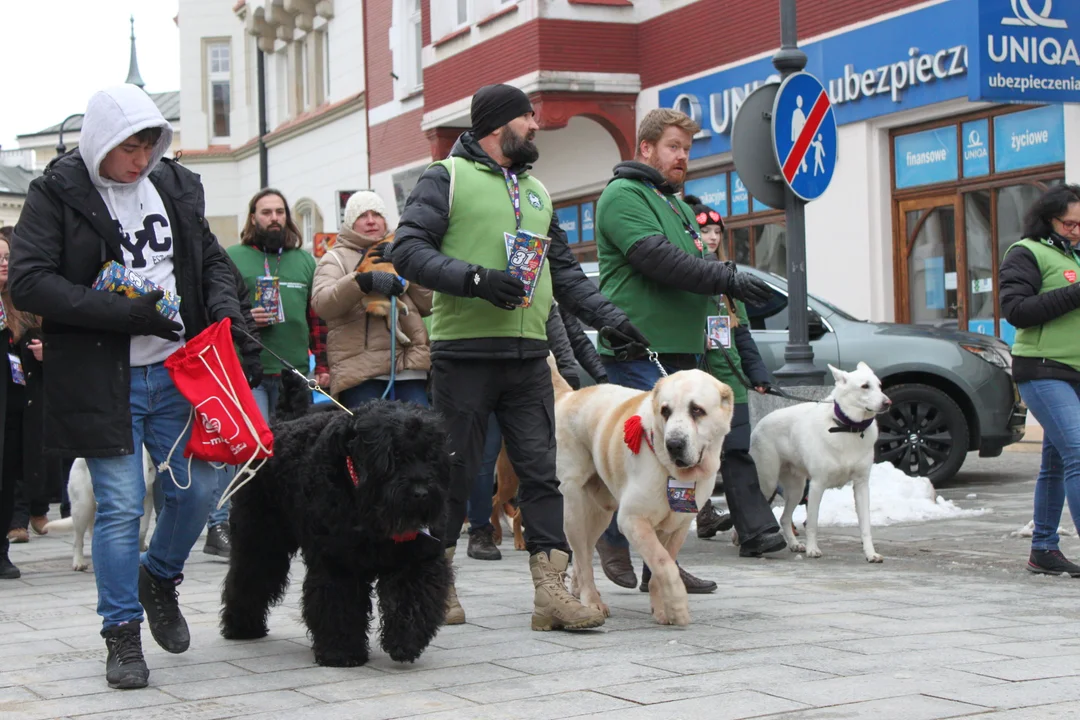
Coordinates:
x,y
1072,144
575,159
346,50
224,195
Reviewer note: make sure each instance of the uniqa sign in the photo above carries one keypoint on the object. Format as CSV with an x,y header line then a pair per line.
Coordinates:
x,y
1028,51
904,62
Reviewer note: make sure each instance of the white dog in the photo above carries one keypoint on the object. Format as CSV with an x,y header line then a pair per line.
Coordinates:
x,y
654,455
84,507
830,443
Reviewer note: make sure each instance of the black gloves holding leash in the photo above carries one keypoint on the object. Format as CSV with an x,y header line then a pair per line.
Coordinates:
x,y
741,286
626,341
384,283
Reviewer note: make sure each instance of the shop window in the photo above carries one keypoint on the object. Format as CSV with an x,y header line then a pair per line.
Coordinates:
x,y
981,265
932,282
770,248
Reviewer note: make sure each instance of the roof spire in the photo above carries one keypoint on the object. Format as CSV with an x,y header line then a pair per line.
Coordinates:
x,y
133,76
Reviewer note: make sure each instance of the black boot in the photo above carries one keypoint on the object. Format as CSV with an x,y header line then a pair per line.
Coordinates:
x,y
217,541
1051,562
768,542
8,571
125,668
159,600
482,544
694,585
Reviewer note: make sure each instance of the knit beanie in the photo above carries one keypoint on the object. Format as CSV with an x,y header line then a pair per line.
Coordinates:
x,y
495,105
704,214
360,203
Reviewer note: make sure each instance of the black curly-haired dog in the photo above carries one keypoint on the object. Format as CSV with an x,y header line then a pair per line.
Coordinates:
x,y
353,494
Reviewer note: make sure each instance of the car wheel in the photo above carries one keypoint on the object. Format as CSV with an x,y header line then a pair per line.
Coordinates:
x,y
924,434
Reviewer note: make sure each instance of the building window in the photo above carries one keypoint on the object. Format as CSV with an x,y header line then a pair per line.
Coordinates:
x,y
407,46
462,12
303,76
326,65
218,75
309,221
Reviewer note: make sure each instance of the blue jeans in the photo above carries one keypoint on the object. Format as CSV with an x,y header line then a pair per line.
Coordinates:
x,y
414,391
266,396
159,414
224,477
1056,405
639,375
479,508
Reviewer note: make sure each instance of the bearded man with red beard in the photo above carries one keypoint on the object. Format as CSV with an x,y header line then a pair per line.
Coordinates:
x,y
654,266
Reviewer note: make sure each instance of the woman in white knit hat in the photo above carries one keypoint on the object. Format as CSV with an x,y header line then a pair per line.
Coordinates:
x,y
358,344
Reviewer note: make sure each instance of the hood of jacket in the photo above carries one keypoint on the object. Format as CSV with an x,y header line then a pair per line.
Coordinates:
x,y
467,147
634,170
114,115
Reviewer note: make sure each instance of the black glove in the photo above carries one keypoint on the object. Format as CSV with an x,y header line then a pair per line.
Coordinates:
x,y
573,381
383,283
146,320
742,286
380,254
627,328
253,370
602,380
497,287
624,346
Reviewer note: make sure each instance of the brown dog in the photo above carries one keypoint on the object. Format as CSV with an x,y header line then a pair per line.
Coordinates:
x,y
376,304
505,490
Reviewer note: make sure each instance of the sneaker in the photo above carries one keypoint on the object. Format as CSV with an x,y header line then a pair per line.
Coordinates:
x,y
8,571
38,523
18,535
710,521
217,541
1051,562
125,667
482,544
159,600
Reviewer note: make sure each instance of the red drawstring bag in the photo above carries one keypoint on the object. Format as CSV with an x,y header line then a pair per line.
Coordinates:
x,y
228,427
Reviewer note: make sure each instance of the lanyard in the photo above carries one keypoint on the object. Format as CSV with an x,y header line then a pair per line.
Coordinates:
x,y
686,224
515,194
266,263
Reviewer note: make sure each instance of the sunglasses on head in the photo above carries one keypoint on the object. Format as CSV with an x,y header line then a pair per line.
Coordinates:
x,y
704,218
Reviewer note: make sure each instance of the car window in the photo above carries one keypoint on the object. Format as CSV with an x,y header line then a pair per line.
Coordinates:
x,y
773,315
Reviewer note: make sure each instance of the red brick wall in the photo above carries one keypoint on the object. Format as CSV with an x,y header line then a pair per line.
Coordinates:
x,y
380,63
398,141
722,32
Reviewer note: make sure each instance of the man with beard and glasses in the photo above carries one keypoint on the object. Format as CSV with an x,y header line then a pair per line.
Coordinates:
x,y
271,246
488,353
653,266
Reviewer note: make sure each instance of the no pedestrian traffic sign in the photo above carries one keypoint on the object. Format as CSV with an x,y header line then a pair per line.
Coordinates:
x,y
804,135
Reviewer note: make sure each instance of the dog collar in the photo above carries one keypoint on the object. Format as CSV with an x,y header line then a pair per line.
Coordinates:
x,y
634,432
352,471
404,537
846,424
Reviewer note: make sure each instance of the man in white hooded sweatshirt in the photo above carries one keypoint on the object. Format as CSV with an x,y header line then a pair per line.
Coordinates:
x,y
107,392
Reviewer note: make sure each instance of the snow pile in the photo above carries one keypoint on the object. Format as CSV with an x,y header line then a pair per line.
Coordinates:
x,y
1029,530
894,498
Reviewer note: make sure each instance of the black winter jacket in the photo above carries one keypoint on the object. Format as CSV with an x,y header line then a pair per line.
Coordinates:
x,y
417,258
584,350
64,235
561,348
1019,282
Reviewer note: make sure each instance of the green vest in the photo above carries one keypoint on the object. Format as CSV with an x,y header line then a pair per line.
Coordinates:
x,y
480,212
1057,339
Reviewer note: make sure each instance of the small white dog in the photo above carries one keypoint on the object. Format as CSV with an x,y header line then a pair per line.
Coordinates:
x,y
84,507
830,443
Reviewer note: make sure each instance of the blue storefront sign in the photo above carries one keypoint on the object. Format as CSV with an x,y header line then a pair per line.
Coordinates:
x,y
1027,51
712,190
568,221
942,52
587,210
740,198
1030,138
975,136
925,157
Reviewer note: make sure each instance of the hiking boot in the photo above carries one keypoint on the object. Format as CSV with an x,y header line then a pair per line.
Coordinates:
x,y
482,544
159,600
8,571
18,535
38,523
693,585
615,562
764,543
125,667
710,521
455,614
217,540
1051,562
554,608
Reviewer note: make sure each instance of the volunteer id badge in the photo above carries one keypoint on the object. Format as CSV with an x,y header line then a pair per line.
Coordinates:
x,y
16,369
719,329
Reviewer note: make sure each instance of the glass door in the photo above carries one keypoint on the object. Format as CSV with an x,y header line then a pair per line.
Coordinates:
x,y
931,281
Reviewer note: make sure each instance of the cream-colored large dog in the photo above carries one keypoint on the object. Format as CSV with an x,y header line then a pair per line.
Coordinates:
x,y
648,454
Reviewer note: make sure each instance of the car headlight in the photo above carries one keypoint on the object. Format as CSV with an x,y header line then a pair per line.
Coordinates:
x,y
995,356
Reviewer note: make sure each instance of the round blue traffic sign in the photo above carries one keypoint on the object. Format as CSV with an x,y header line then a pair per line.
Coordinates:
x,y
804,135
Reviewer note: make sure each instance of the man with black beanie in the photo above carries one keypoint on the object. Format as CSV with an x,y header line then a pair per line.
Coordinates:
x,y
488,353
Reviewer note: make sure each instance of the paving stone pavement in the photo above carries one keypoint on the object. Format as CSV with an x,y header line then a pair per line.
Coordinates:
x,y
950,626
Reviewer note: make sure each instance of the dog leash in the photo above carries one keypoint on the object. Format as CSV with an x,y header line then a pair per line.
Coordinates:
x,y
389,391
769,389
311,383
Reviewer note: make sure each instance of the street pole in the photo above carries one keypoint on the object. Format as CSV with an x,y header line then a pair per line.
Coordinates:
x,y
60,147
798,366
264,164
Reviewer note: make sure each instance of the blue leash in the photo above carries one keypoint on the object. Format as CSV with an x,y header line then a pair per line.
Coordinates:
x,y
389,391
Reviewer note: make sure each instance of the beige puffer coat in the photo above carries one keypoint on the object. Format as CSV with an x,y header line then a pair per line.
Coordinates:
x,y
358,345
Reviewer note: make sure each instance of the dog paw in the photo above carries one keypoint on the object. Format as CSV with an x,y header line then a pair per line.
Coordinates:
x,y
797,547
237,632
680,616
341,659
875,558
80,566
813,553
600,607
660,616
